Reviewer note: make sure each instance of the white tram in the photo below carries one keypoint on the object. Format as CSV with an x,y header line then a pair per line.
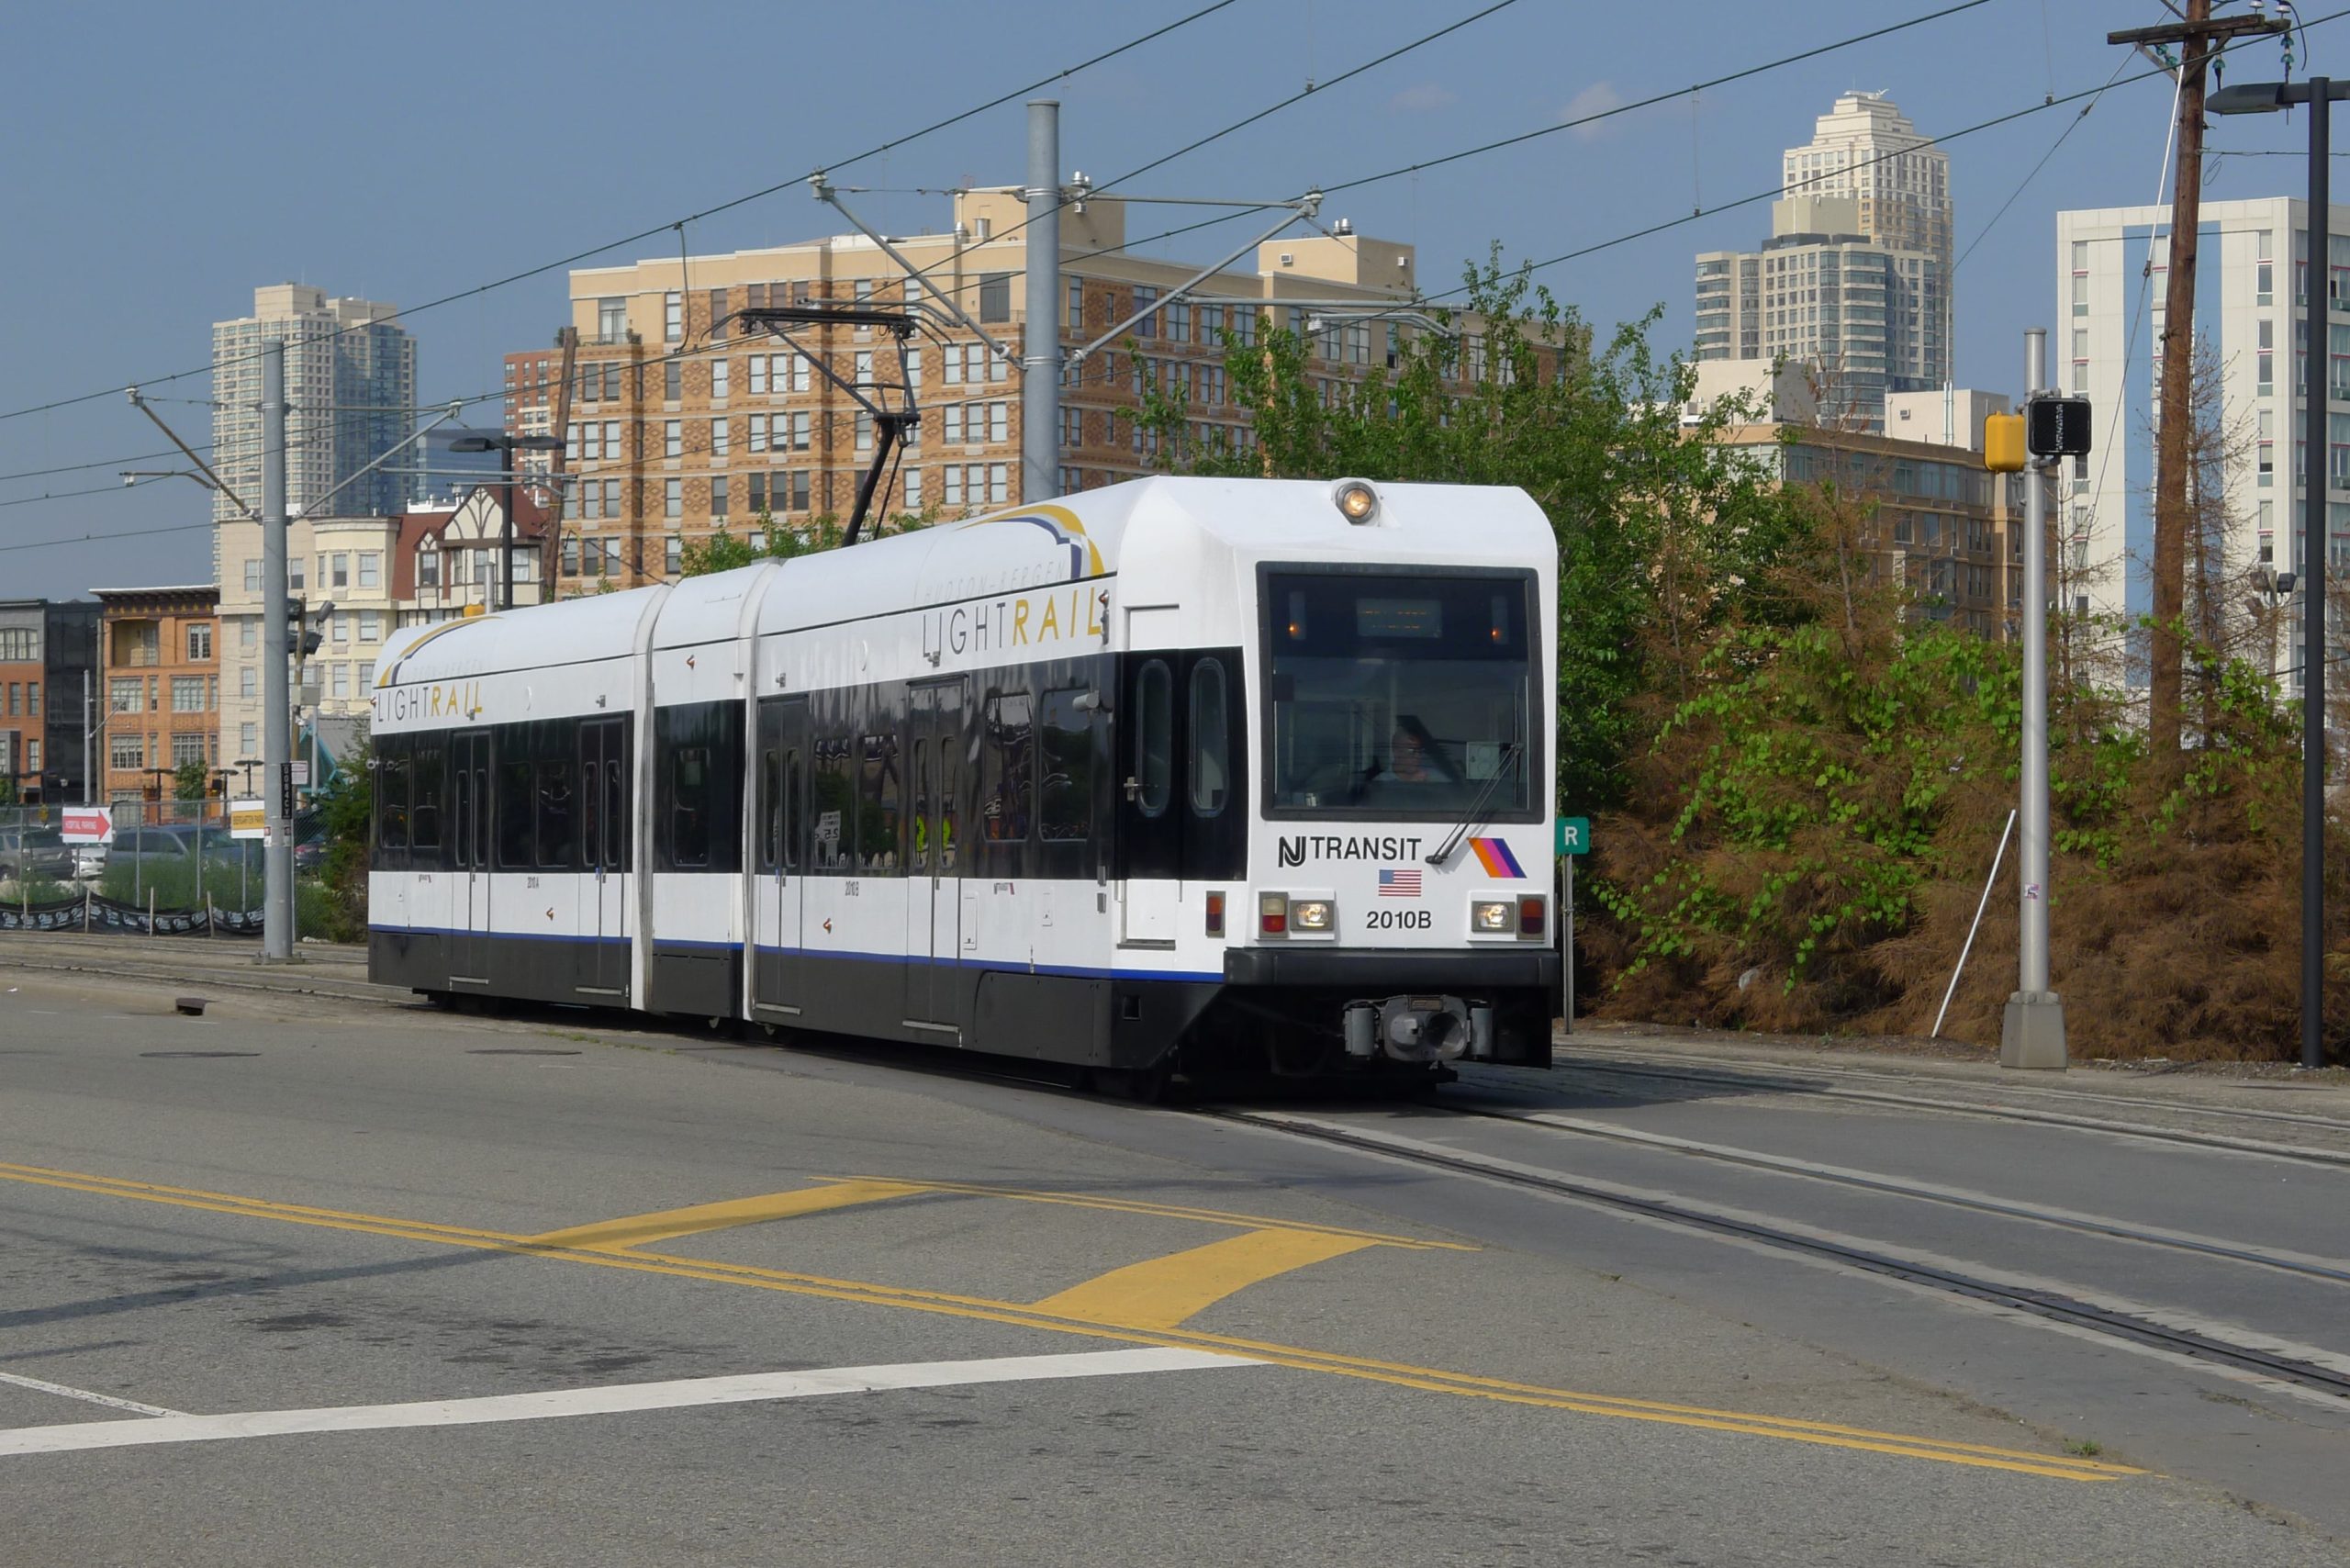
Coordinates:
x,y
1245,772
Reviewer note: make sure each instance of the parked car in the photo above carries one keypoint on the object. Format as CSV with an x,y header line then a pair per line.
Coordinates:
x,y
42,851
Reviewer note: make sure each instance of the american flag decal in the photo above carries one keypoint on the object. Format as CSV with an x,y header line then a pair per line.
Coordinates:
x,y
1399,884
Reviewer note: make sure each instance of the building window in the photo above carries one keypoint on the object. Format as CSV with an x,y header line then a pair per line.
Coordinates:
x,y
371,568
199,644
758,431
247,633
673,438
800,426
342,680
719,443
998,483
612,320
126,752
995,297
371,626
342,579
913,490
428,566
248,688
673,498
612,497
673,555
673,318
863,431
673,381
247,737
252,576
717,496
758,375
341,629
571,554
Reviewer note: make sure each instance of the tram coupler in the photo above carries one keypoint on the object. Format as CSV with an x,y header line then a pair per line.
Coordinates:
x,y
1419,1029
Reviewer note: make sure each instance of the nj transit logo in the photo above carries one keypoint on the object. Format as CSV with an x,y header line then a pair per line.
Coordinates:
x,y
1494,856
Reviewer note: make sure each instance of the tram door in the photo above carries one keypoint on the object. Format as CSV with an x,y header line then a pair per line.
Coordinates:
x,y
933,850
776,966
469,944
603,856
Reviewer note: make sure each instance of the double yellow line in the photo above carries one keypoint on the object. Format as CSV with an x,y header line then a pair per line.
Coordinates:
x,y
615,1245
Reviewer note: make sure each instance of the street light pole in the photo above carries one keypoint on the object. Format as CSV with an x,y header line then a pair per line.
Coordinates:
x,y
277,729
2266,98
2032,1030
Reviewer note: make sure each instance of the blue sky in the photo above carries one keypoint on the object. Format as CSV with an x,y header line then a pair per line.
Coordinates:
x,y
167,158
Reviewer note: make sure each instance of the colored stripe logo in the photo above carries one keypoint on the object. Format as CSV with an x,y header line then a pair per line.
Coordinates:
x,y
1494,856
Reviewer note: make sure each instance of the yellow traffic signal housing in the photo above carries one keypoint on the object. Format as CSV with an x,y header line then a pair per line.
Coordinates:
x,y
2003,443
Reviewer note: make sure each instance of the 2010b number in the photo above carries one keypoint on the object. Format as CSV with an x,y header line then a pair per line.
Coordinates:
x,y
1396,920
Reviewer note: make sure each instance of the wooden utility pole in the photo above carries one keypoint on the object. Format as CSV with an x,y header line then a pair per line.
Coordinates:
x,y
2197,37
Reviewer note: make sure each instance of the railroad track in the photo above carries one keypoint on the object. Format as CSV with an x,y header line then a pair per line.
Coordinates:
x,y
1763,1082
1703,1068
2057,1305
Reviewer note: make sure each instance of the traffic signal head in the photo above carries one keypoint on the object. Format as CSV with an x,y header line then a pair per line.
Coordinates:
x,y
2059,427
2003,443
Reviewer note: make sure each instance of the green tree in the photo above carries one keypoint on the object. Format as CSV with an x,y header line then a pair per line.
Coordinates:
x,y
191,781
773,540
346,808
1659,525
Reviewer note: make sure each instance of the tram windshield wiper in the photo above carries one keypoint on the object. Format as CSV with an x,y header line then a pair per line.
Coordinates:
x,y
1510,754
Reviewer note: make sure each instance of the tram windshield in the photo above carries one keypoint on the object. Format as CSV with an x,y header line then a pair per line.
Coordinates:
x,y
1399,697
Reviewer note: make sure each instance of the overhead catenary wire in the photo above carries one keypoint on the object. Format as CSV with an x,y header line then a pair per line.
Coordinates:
x,y
667,224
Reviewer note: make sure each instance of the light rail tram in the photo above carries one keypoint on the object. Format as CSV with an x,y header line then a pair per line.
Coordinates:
x,y
1245,774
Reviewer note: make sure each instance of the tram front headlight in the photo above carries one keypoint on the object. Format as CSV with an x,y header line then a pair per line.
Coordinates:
x,y
1489,916
1311,915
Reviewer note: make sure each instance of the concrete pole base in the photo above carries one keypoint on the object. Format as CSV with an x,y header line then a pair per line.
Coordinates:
x,y
289,959
2031,1033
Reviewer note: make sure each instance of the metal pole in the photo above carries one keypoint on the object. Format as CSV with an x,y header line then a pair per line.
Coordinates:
x,y
2031,1033
2316,480
1040,357
89,735
277,736
505,537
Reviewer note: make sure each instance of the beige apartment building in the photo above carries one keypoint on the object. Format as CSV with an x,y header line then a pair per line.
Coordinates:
x,y
680,425
427,563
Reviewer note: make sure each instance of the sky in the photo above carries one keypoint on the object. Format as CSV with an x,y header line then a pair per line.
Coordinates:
x,y
167,158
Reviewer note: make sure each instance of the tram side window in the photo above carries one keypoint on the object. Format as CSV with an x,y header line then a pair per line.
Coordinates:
x,y
770,808
1005,768
833,808
878,789
517,845
558,828
1211,739
426,784
392,797
1065,789
690,819
1154,738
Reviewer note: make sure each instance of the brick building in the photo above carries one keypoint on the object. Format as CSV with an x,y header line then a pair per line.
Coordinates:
x,y
47,667
160,668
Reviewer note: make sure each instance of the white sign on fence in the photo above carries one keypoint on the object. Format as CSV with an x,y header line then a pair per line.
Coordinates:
x,y
245,818
87,824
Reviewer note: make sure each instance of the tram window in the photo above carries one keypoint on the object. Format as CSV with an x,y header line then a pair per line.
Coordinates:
x,y
793,808
591,798
918,854
833,809
770,808
1065,791
949,824
558,829
615,815
1211,739
1154,738
877,807
1005,768
392,798
516,850
425,785
689,809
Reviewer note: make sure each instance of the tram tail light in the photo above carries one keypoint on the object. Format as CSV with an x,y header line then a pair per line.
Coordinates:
x,y
1215,915
1272,914
1531,915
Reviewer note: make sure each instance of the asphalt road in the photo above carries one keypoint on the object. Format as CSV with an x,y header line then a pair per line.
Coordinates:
x,y
318,1280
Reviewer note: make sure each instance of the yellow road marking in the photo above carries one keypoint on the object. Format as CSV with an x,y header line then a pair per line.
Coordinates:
x,y
670,1224
1160,1292
981,1309
1177,1211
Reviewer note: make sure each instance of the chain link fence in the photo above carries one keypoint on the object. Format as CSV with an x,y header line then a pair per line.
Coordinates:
x,y
172,869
